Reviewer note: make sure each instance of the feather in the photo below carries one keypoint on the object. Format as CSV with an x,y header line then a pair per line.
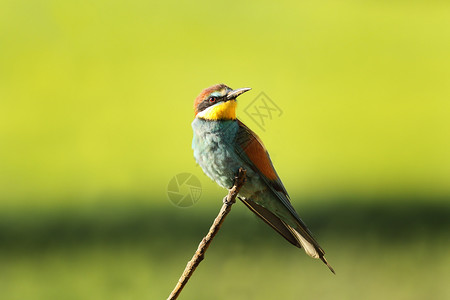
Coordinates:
x,y
252,151
272,220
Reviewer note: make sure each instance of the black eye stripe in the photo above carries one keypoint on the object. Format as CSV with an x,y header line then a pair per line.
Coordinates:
x,y
206,103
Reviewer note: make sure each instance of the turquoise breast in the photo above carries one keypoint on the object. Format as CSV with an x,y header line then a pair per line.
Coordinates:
x,y
214,150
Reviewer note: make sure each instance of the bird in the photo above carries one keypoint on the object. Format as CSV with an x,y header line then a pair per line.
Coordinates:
x,y
222,144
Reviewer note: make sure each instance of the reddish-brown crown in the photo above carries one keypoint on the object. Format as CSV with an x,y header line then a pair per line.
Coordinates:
x,y
205,94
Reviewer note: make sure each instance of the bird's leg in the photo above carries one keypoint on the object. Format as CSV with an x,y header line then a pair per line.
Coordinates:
x,y
239,180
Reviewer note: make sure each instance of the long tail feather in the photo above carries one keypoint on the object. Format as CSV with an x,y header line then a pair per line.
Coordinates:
x,y
311,249
273,221
302,240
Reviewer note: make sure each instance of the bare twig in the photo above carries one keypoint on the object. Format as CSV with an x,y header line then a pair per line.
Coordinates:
x,y
199,255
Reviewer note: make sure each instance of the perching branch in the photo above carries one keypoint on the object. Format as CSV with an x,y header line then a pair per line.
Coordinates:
x,y
199,255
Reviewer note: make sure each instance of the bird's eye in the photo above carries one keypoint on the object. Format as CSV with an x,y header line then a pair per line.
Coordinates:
x,y
212,99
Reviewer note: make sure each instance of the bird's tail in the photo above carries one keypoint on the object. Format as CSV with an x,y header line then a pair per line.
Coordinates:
x,y
300,236
308,243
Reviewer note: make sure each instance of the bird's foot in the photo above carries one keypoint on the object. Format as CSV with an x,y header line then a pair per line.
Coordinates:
x,y
236,178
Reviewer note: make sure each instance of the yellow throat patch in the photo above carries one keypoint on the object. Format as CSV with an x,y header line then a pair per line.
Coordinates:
x,y
220,111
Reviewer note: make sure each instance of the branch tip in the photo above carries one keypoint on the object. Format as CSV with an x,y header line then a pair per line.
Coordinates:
x,y
199,255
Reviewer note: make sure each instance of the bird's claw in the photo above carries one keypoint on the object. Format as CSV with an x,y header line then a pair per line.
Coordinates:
x,y
236,178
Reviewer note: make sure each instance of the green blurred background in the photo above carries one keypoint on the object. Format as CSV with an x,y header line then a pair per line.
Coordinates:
x,y
95,111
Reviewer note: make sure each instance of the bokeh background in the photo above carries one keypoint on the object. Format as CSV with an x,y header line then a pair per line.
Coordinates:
x,y
95,111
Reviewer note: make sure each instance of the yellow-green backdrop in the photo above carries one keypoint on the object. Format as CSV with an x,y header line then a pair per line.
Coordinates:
x,y
95,111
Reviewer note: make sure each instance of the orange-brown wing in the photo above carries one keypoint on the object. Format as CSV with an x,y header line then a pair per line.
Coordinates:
x,y
251,149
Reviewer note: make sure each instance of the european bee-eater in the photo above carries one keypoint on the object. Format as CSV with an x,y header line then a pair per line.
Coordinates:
x,y
222,144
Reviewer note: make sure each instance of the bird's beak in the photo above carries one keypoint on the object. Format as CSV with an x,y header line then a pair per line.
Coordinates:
x,y
234,93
